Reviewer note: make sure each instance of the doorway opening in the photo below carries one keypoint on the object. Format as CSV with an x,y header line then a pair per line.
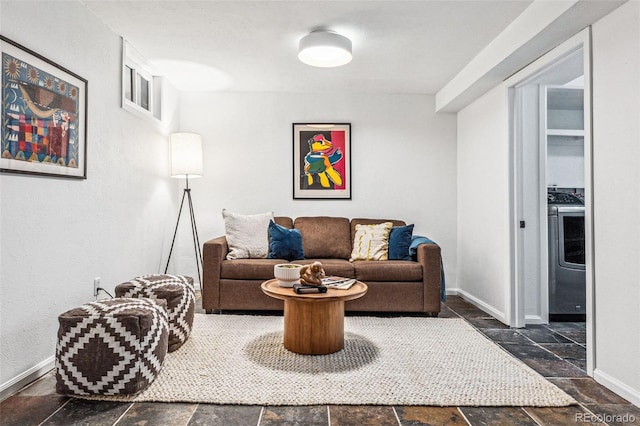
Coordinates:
x,y
551,189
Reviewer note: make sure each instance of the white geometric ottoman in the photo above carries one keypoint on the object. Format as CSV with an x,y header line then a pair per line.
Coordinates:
x,y
111,347
179,294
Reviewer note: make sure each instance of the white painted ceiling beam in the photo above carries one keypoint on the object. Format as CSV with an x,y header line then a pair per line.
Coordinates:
x,y
542,26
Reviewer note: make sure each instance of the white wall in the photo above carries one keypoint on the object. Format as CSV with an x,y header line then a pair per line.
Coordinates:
x,y
616,153
483,202
403,160
56,234
565,162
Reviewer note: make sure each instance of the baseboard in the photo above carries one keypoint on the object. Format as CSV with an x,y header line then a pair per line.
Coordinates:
x,y
20,381
534,319
615,385
497,314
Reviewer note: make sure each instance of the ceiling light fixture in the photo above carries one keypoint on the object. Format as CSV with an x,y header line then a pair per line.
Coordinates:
x,y
324,49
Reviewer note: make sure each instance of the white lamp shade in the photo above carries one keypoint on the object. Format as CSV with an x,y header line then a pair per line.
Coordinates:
x,y
325,49
186,155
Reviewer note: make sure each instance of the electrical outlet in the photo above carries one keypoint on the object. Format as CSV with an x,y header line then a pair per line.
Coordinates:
x,y
96,286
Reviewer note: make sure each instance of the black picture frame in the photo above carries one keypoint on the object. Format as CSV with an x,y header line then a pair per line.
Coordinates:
x,y
43,115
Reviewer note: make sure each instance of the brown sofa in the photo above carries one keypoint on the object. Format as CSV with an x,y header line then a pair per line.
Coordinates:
x,y
394,285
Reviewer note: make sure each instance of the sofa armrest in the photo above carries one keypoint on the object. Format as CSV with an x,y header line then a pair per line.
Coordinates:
x,y
429,256
213,253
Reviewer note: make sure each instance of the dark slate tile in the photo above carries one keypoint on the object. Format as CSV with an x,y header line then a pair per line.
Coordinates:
x,y
33,403
506,336
45,385
469,312
543,361
295,416
567,326
155,413
497,416
428,416
80,412
347,415
224,415
459,305
561,416
588,391
578,336
445,312
566,350
615,414
542,335
523,352
457,301
580,363
21,410
487,323
554,367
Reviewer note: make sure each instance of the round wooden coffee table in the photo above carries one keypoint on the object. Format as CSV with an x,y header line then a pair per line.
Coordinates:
x,y
313,322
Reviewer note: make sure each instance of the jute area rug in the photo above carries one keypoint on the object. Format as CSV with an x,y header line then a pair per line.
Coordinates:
x,y
239,359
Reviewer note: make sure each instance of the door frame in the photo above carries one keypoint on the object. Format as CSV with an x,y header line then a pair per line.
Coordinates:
x,y
531,72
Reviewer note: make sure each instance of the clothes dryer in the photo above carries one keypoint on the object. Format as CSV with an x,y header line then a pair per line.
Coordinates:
x,y
567,275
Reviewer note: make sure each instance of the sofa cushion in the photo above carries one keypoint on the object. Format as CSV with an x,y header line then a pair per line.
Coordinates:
x,y
325,237
249,269
285,221
286,243
371,242
399,242
339,267
390,270
247,235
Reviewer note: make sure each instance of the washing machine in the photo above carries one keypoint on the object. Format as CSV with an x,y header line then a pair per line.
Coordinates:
x,y
567,275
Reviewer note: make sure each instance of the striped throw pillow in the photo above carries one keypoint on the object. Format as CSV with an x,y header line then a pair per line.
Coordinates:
x,y
371,242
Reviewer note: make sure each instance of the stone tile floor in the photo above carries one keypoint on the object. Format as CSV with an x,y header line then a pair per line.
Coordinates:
x,y
557,351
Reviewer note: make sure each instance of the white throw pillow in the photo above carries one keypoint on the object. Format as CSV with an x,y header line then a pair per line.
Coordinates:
x,y
371,242
247,235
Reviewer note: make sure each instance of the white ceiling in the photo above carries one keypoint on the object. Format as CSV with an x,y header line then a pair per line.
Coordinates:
x,y
398,46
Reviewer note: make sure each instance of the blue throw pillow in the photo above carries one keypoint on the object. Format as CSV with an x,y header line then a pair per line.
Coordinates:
x,y
284,243
399,242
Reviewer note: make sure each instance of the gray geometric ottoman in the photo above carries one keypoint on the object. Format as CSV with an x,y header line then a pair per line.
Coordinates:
x,y
180,295
111,347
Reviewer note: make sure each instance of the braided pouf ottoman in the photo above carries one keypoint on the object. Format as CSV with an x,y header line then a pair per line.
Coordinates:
x,y
179,293
111,347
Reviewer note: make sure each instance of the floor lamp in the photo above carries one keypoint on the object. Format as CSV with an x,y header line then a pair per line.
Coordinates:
x,y
186,162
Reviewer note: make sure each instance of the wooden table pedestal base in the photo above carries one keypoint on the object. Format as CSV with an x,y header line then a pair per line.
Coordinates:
x,y
315,328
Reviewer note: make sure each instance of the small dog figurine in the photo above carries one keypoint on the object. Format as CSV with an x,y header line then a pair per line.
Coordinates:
x,y
312,274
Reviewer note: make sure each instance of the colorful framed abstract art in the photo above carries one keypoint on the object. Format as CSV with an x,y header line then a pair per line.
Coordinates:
x,y
44,115
322,161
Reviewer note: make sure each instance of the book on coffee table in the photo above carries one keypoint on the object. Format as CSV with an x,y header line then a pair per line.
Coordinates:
x,y
339,283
